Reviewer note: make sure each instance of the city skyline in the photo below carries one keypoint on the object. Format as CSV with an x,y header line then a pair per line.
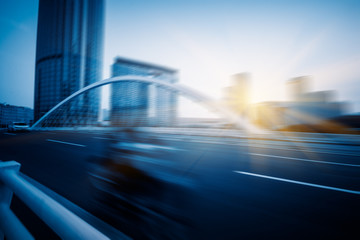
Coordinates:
x,y
208,41
180,119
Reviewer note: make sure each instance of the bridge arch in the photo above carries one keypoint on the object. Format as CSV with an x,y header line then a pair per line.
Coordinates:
x,y
175,87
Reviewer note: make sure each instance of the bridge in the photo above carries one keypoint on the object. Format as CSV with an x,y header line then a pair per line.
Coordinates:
x,y
198,97
180,183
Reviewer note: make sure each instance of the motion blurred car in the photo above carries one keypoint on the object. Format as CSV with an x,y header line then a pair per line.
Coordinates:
x,y
18,127
139,189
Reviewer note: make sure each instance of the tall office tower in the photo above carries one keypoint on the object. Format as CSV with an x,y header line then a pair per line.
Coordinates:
x,y
139,104
68,57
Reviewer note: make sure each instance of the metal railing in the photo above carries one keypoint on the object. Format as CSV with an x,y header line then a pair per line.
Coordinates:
x,y
64,223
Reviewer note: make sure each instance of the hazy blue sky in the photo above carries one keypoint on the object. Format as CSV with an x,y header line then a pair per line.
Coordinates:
x,y
208,41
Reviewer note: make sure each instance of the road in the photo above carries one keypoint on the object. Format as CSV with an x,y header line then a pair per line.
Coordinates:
x,y
238,188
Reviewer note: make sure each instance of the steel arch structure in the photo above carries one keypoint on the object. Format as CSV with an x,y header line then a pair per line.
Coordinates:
x,y
175,87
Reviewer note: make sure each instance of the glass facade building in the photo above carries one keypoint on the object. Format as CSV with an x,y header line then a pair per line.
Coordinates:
x,y
140,104
69,56
10,114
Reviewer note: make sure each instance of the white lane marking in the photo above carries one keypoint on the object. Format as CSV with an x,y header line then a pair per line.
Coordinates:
x,y
305,160
12,134
269,146
103,138
146,146
300,183
74,144
102,178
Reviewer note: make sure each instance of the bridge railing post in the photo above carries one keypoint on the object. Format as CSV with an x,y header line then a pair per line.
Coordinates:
x,y
65,223
10,225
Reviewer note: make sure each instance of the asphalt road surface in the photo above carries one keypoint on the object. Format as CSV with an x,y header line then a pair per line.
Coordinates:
x,y
235,188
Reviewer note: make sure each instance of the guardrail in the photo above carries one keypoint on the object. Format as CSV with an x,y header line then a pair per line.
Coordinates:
x,y
64,223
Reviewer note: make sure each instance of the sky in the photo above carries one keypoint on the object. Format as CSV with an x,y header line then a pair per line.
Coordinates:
x,y
208,41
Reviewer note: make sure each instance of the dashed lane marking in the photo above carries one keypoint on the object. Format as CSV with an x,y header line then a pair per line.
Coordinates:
x,y
12,134
305,160
299,182
69,143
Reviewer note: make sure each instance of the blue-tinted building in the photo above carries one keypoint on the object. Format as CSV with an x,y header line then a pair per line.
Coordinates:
x,y
10,114
68,56
139,104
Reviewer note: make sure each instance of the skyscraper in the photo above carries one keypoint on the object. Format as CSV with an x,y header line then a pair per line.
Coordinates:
x,y
139,104
68,54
